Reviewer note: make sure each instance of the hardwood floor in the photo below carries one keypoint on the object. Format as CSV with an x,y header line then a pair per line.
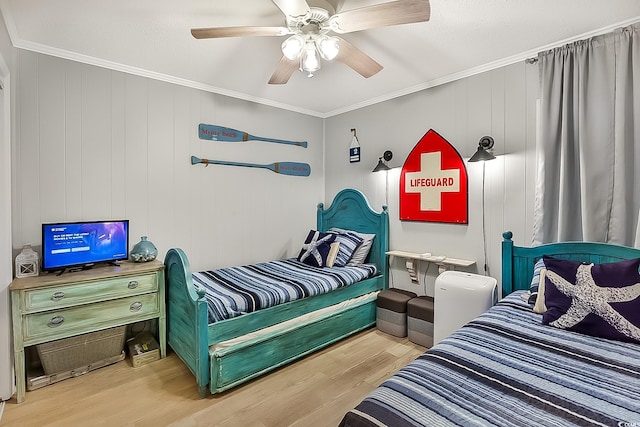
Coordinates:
x,y
315,391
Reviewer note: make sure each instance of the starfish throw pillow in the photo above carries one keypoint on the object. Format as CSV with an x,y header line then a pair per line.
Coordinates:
x,y
602,300
316,248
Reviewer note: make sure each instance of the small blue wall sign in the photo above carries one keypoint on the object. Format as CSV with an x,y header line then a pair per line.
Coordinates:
x,y
354,154
354,148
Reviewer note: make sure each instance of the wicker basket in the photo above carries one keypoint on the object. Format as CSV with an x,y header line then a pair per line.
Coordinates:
x,y
70,353
39,381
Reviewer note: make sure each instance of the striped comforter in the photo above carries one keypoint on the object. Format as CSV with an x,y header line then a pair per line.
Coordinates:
x,y
505,368
234,291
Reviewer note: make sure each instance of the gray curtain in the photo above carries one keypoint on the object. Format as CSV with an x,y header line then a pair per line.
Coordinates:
x,y
589,141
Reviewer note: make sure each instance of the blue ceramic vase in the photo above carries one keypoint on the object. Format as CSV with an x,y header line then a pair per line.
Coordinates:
x,y
144,251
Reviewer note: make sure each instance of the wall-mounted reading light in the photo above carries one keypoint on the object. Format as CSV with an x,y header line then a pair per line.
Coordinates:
x,y
484,150
482,155
382,165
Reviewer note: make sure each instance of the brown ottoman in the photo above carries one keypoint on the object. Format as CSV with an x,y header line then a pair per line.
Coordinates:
x,y
391,313
420,320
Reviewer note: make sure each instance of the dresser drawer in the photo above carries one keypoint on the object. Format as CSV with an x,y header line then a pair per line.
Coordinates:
x,y
55,324
55,297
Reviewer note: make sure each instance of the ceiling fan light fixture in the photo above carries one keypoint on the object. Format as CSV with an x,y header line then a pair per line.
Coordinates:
x,y
292,47
308,23
328,47
310,60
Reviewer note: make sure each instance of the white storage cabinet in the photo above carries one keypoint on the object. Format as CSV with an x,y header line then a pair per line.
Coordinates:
x,y
459,298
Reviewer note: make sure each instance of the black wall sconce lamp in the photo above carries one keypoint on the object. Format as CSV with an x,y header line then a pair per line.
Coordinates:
x,y
483,153
382,165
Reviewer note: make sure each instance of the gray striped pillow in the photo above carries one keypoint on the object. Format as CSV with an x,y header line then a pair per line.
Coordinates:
x,y
362,251
348,245
535,281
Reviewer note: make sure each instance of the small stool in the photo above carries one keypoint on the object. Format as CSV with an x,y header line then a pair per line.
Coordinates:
x,y
420,320
391,313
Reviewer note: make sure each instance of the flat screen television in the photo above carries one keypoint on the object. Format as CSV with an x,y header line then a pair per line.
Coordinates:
x,y
80,245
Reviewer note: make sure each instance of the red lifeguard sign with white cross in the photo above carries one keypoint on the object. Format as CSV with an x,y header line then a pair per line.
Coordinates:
x,y
433,182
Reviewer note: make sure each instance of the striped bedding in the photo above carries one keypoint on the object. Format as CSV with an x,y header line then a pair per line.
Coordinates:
x,y
506,369
233,291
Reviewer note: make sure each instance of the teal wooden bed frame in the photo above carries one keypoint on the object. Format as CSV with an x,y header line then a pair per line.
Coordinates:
x,y
252,353
518,261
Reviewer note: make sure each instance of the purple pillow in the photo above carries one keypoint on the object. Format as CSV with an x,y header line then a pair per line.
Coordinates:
x,y
601,300
316,248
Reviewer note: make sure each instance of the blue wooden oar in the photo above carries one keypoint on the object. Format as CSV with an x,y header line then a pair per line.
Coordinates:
x,y
219,133
283,168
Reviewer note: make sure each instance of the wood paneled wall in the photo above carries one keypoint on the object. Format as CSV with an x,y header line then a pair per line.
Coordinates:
x,y
96,144
93,144
499,103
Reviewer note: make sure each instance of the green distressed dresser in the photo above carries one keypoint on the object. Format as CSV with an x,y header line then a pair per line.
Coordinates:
x,y
51,307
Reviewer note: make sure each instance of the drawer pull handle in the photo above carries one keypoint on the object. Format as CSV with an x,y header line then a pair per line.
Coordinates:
x,y
57,296
132,284
135,306
55,321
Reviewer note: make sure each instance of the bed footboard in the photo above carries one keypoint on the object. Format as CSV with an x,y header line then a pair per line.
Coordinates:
x,y
187,321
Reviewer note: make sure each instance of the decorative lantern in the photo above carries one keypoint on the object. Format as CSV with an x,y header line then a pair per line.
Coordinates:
x,y
27,262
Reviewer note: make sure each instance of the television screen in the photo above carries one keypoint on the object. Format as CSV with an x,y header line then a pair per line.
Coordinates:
x,y
82,244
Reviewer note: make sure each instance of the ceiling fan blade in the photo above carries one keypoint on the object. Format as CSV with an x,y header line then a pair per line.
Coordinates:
x,y
339,4
293,7
283,72
380,15
219,32
357,59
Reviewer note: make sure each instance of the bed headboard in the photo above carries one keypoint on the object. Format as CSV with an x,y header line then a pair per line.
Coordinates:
x,y
518,261
350,210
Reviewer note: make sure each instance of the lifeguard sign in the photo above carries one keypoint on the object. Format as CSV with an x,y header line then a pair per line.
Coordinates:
x,y
433,182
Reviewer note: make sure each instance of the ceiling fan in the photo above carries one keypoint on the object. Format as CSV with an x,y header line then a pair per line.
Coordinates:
x,y
309,24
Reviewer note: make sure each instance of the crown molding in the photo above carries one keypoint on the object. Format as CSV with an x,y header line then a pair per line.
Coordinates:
x,y
523,56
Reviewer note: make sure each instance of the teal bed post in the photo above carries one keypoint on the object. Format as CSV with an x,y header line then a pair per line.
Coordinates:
x,y
507,263
384,246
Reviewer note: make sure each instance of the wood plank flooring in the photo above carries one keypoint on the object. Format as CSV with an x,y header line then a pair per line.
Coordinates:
x,y
315,391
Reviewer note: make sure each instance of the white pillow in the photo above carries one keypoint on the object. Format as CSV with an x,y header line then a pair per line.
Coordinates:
x,y
333,253
540,307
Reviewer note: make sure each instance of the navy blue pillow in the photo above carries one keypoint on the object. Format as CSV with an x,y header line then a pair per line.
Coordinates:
x,y
602,300
316,248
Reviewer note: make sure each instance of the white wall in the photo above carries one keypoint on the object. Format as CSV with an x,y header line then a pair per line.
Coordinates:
x,y
94,143
90,143
7,71
98,144
499,103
